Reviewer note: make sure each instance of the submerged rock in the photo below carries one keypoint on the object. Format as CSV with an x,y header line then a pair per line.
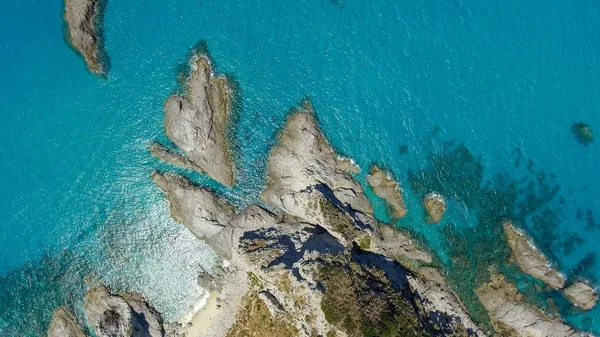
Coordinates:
x,y
83,18
583,133
121,316
197,123
387,189
581,295
435,207
199,209
63,324
513,317
530,259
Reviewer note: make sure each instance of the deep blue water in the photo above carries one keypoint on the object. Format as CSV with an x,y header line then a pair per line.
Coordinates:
x,y
496,76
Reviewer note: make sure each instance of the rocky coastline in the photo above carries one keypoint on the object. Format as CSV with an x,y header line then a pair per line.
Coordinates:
x,y
84,32
533,262
109,315
309,258
530,259
319,266
512,316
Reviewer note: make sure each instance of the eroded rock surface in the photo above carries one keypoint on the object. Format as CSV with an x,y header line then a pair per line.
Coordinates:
x,y
200,210
388,189
436,297
399,246
581,295
83,18
306,178
127,315
530,259
64,324
513,317
435,207
198,122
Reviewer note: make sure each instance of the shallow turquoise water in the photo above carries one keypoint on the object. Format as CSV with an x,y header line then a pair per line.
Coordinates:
x,y
495,76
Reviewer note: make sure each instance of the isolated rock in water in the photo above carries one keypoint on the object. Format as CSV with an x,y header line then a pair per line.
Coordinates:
x,y
387,189
513,317
435,206
302,163
83,18
198,208
121,316
198,122
530,259
63,324
581,295
583,133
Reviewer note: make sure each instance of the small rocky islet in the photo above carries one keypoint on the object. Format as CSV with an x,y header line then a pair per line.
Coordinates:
x,y
84,32
583,133
311,260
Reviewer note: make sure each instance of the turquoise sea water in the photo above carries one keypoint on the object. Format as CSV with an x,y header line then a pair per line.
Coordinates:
x,y
505,78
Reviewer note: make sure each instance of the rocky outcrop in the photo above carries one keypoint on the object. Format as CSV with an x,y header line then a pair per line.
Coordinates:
x,y
399,246
308,272
84,21
437,299
581,295
198,122
306,178
530,259
305,279
169,156
122,316
323,266
388,189
513,317
64,324
583,133
200,210
435,207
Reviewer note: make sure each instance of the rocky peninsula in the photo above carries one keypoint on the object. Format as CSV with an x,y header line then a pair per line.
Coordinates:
x,y
533,262
84,25
322,265
319,264
198,124
530,259
387,189
512,316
